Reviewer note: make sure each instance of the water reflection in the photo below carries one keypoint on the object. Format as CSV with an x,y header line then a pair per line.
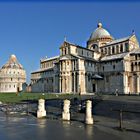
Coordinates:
x,y
41,123
66,124
42,129
89,130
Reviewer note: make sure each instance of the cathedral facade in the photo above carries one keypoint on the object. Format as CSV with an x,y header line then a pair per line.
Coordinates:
x,y
105,65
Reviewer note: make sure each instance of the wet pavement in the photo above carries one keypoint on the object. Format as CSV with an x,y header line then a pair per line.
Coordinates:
x,y
106,123
21,128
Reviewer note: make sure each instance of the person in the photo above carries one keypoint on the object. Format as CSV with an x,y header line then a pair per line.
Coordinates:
x,y
116,92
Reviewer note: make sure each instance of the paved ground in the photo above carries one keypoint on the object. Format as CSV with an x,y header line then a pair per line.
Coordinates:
x,y
106,121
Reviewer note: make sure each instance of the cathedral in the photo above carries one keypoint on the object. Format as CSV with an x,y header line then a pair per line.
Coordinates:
x,y
105,65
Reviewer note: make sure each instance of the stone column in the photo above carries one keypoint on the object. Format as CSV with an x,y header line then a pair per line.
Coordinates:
x,y
89,118
60,84
41,112
125,84
66,113
63,84
138,84
74,82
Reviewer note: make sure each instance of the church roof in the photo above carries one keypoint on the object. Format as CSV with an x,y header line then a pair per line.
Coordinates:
x,y
118,40
42,70
51,58
12,63
78,46
112,57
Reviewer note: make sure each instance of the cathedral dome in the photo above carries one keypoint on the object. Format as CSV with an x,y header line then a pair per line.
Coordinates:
x,y
100,33
13,63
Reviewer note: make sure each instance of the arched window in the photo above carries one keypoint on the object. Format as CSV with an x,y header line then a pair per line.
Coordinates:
x,y
105,50
117,48
113,66
121,48
132,67
65,51
102,51
109,50
113,50
94,46
126,46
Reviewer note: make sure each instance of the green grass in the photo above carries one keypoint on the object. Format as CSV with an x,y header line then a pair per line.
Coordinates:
x,y
13,98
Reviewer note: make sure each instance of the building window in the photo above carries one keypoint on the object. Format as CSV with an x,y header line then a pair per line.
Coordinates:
x,y
94,46
113,50
82,52
121,48
92,54
107,79
117,49
102,51
126,46
103,68
109,50
132,67
105,50
67,62
113,66
136,57
89,78
65,51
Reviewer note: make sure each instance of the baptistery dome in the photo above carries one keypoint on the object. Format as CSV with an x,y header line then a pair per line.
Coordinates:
x,y
13,63
12,76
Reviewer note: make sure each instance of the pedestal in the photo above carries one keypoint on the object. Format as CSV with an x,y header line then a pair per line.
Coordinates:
x,y
89,118
66,113
41,112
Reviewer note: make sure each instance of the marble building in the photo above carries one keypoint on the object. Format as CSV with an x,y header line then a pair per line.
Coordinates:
x,y
12,76
105,65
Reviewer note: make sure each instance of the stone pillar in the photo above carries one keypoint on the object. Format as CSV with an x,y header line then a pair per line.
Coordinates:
x,y
66,113
82,83
60,84
70,83
41,112
62,87
125,84
110,50
138,84
74,82
89,118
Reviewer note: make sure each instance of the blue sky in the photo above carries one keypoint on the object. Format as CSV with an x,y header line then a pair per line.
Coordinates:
x,y
33,30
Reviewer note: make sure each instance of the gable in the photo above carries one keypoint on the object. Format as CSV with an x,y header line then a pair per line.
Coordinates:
x,y
67,57
134,40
